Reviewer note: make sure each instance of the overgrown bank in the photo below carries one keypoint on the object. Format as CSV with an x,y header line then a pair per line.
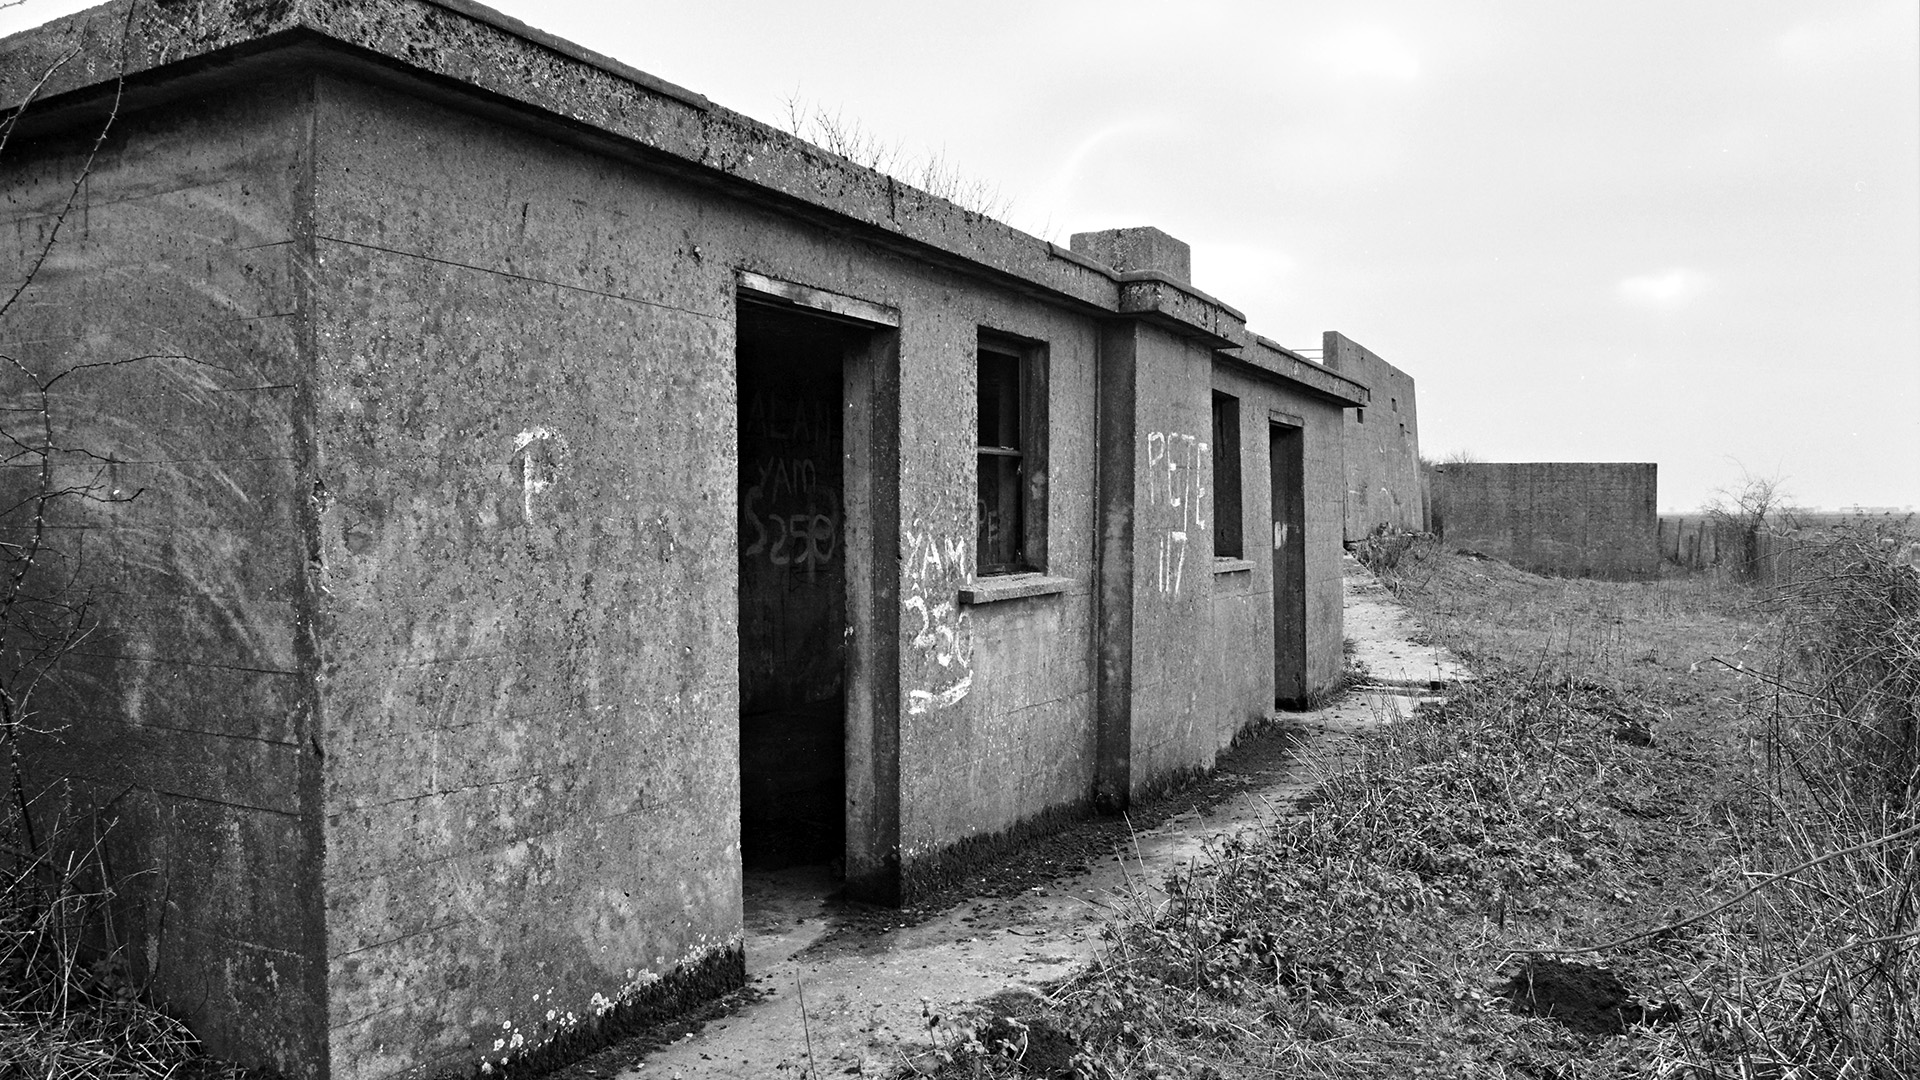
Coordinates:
x,y
1553,840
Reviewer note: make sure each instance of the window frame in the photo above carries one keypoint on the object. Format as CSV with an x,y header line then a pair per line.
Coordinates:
x,y
1229,492
1030,397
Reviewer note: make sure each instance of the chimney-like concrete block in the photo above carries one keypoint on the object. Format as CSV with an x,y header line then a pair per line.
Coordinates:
x,y
1143,248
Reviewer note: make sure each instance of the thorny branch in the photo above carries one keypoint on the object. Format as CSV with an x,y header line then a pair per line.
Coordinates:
x,y
13,118
40,626
86,168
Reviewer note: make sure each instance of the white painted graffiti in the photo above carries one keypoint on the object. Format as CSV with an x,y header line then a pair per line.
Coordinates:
x,y
1173,561
942,630
805,540
538,451
1177,488
789,517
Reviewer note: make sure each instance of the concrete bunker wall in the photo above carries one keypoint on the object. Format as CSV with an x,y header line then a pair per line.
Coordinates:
x,y
524,392
1253,666
184,723
1173,512
449,541
1384,484
1186,649
527,371
1589,519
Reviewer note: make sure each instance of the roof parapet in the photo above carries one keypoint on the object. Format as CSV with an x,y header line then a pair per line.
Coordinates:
x,y
183,46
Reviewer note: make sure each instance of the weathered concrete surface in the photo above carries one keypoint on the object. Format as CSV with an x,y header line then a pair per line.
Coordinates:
x,y
1173,538
425,629
525,554
1385,488
864,997
570,93
468,44
1138,249
1191,651
1590,519
1244,635
184,718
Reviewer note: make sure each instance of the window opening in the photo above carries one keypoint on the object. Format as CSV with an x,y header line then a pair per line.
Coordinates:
x,y
1011,510
1226,476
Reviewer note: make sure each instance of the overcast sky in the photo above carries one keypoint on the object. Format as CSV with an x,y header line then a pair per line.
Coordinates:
x,y
1684,231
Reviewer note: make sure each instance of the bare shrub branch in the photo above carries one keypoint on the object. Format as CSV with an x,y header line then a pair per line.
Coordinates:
x,y
70,1002
930,171
1742,513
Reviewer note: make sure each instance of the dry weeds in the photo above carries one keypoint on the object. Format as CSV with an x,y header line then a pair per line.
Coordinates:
x,y
1618,824
1816,969
70,1008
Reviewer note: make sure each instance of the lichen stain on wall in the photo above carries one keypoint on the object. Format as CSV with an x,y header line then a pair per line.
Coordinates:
x,y
552,1016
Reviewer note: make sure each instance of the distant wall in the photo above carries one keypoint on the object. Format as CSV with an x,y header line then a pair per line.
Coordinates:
x,y
1384,485
1571,519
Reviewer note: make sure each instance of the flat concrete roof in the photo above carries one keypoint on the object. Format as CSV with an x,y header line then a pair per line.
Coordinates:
x,y
61,74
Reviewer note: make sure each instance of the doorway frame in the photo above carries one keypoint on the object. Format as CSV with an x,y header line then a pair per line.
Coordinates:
x,y
1286,509
870,539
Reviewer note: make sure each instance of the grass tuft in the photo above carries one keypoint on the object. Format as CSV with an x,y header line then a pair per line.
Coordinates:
x,y
70,1008
1817,970
1669,831
1370,932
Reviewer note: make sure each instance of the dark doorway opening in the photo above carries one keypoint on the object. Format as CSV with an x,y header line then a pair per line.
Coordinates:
x,y
1287,469
793,588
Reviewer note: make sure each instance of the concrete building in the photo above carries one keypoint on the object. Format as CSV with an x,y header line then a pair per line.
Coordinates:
x,y
535,497
1385,486
1569,519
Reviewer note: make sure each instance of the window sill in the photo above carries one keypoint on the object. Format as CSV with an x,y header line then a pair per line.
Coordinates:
x,y
1225,565
989,590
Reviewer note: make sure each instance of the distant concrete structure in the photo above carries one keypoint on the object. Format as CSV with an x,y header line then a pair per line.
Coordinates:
x,y
1384,485
1568,519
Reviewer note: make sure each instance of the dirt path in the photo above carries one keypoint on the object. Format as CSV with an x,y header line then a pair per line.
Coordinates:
x,y
868,980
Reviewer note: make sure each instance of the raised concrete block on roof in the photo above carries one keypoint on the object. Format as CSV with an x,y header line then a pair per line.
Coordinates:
x,y
1137,249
